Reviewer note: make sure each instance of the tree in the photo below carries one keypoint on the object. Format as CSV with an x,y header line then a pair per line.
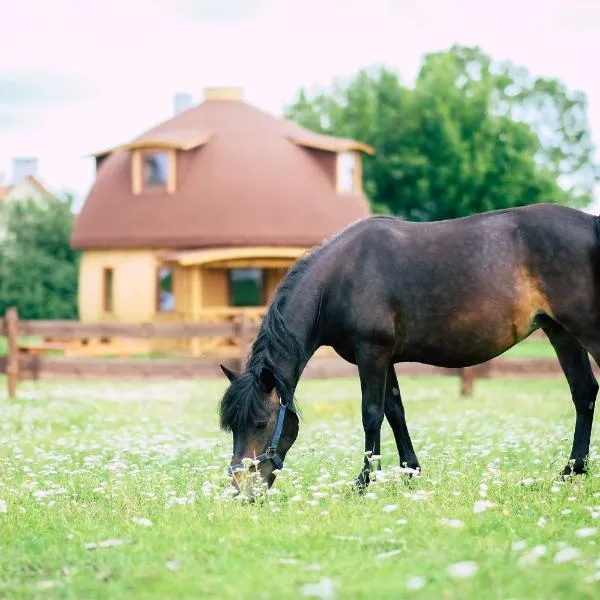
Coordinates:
x,y
38,269
469,136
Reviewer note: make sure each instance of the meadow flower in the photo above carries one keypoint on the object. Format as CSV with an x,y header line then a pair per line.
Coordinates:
x,y
324,589
452,523
415,583
3,506
586,532
533,555
566,554
384,555
541,522
482,505
142,521
104,544
464,569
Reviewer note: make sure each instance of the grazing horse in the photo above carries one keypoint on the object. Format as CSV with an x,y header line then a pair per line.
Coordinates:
x,y
451,293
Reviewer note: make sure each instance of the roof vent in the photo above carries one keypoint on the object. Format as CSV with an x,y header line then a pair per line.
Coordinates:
x,y
223,93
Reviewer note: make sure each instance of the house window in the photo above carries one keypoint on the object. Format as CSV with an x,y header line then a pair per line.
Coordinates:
x,y
107,290
165,297
346,167
155,169
246,287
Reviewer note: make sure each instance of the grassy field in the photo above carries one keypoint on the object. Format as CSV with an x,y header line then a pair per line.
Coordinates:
x,y
118,490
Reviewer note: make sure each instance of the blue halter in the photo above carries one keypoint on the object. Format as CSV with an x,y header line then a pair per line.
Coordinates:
x,y
271,451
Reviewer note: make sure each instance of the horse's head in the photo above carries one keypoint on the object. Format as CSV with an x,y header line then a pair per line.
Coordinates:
x,y
263,427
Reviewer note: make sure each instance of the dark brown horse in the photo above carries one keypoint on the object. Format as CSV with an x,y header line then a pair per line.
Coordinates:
x,y
452,293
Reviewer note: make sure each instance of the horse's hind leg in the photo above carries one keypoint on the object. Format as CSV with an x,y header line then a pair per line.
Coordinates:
x,y
575,363
394,412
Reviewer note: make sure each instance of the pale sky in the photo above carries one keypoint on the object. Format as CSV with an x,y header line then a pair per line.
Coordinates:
x,y
76,77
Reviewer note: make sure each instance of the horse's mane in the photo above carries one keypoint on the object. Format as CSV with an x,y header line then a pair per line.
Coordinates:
x,y
244,400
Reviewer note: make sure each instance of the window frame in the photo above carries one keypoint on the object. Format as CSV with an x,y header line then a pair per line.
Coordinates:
x,y
352,176
138,164
158,306
262,288
108,290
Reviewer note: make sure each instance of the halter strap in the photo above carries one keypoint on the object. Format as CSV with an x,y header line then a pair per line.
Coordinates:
x,y
271,451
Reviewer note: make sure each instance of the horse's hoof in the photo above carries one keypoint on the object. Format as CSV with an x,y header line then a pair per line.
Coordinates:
x,y
362,482
576,467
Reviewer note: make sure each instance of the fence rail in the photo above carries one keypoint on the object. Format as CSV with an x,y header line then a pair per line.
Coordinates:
x,y
20,364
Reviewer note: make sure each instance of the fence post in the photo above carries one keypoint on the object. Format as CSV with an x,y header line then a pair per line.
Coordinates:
x,y
466,381
11,321
244,336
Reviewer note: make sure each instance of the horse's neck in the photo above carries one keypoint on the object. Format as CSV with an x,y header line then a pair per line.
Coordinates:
x,y
301,320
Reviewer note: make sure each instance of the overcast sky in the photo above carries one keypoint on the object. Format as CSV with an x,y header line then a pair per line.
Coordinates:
x,y
76,76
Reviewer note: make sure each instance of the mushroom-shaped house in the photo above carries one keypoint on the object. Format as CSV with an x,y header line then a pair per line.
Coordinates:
x,y
199,218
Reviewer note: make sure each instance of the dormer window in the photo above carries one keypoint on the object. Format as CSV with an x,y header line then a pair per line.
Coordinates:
x,y
153,170
346,173
156,169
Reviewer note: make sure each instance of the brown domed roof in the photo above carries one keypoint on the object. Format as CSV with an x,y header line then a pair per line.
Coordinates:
x,y
243,177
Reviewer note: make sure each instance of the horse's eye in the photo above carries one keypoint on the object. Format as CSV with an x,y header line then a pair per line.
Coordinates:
x,y
262,425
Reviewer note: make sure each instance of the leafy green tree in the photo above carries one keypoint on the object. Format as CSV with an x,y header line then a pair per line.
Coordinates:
x,y
469,136
38,269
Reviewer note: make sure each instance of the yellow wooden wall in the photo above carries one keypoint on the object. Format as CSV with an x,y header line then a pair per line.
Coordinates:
x,y
134,285
215,288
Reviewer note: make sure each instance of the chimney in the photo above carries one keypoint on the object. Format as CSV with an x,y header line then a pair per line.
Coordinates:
x,y
24,166
181,101
223,93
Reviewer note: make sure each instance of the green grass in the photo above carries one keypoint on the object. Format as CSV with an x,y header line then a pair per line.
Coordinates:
x,y
80,462
531,348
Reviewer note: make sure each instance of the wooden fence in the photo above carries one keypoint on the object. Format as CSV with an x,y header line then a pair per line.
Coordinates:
x,y
24,361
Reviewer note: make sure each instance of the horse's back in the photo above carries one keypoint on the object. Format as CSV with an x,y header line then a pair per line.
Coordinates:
x,y
450,292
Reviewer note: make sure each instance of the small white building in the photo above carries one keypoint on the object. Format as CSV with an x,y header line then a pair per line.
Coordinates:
x,y
25,183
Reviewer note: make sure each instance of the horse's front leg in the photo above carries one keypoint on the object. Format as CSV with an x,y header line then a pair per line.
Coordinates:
x,y
372,369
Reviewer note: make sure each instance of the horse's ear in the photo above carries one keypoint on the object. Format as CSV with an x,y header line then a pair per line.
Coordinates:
x,y
267,380
231,375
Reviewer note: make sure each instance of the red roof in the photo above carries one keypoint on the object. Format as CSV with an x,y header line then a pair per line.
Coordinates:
x,y
6,189
244,178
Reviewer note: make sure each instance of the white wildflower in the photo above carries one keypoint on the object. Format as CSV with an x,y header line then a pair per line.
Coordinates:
x,y
452,523
104,544
533,555
384,555
415,583
464,569
541,521
517,546
482,505
388,508
142,521
566,554
3,506
46,584
586,532
325,589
